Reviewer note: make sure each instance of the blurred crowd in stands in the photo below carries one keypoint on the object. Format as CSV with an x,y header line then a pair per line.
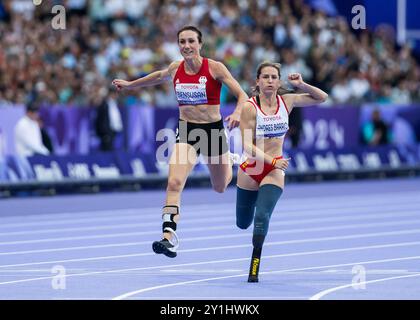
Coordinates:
x,y
107,39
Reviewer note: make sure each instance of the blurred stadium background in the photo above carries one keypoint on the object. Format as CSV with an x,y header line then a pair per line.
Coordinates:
x,y
369,127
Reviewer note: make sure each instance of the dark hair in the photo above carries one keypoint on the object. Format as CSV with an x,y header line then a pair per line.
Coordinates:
x,y
32,106
277,66
191,28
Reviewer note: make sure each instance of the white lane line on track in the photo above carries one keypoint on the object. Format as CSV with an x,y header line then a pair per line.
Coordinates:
x,y
391,245
222,214
101,213
222,298
236,260
308,201
322,294
225,236
132,293
230,227
121,214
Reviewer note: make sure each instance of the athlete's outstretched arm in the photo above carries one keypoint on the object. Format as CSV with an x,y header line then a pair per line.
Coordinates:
x,y
222,74
151,79
312,95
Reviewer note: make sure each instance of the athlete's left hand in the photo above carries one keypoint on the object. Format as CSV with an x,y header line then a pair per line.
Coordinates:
x,y
233,120
295,79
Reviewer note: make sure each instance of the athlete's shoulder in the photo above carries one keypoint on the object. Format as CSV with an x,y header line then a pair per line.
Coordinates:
x,y
216,65
173,68
249,105
288,98
212,62
248,113
288,95
251,101
174,65
218,69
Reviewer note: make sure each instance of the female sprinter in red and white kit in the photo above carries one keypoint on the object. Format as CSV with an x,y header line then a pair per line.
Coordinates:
x,y
197,82
264,123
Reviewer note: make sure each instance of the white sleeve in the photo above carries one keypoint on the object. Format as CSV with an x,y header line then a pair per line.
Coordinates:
x,y
29,139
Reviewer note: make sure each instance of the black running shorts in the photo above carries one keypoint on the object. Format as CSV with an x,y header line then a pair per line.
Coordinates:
x,y
208,139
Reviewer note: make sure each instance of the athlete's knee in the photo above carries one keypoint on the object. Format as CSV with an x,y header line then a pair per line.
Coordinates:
x,y
174,184
244,216
229,177
245,207
241,224
222,187
219,187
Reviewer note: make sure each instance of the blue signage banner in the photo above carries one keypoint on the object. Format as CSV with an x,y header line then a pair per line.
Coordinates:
x,y
120,164
331,140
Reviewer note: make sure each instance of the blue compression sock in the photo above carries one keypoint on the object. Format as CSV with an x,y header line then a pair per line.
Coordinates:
x,y
245,207
268,195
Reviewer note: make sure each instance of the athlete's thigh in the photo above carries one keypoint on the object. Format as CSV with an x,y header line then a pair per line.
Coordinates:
x,y
244,181
275,177
220,167
182,161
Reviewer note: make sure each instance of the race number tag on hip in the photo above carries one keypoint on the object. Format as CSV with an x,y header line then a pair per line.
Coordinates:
x,y
191,93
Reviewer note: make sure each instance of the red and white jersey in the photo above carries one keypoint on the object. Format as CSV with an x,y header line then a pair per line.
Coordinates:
x,y
199,88
271,126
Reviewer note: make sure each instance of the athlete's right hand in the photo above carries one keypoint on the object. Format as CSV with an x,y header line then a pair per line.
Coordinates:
x,y
121,84
282,164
